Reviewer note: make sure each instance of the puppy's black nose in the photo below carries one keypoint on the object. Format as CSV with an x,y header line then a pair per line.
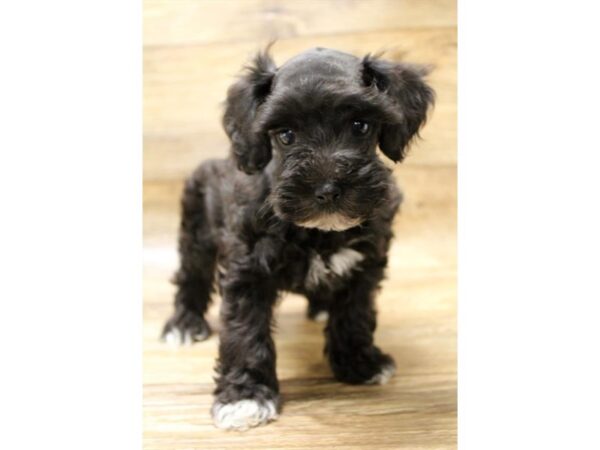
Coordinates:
x,y
328,193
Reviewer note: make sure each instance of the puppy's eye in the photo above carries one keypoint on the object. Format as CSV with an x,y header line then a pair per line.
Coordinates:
x,y
286,137
360,128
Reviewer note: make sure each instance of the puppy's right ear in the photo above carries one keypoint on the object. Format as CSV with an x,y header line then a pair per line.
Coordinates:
x,y
251,147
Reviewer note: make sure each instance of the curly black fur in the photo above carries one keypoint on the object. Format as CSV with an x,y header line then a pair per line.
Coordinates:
x,y
262,226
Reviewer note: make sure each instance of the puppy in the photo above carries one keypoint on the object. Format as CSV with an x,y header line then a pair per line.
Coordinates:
x,y
303,204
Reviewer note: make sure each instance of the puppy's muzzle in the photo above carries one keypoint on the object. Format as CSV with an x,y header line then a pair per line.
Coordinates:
x,y
328,194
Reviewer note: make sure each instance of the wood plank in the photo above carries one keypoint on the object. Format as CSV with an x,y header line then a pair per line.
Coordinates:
x,y
184,89
411,413
191,22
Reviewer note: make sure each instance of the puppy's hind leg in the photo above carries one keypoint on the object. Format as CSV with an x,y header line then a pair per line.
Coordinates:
x,y
194,279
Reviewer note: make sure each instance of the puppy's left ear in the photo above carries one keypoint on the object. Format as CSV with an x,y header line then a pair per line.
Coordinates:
x,y
406,89
251,147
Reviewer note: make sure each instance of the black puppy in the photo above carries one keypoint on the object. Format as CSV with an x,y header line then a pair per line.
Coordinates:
x,y
310,211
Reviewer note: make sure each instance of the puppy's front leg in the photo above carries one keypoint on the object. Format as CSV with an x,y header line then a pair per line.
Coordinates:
x,y
247,393
349,334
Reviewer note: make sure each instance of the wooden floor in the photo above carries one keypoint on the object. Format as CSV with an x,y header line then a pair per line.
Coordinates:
x,y
192,50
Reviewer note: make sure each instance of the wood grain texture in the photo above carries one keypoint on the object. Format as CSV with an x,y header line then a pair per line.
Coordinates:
x,y
192,22
192,51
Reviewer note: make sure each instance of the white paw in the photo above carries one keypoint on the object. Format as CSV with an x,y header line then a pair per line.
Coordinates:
x,y
384,376
243,414
176,337
321,316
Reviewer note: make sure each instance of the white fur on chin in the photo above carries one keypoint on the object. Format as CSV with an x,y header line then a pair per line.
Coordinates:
x,y
331,222
243,414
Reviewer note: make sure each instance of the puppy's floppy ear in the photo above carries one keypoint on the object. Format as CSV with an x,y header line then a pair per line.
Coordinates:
x,y
405,86
251,147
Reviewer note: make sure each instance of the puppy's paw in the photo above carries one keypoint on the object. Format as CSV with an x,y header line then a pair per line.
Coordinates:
x,y
243,414
185,328
369,366
318,310
320,315
384,375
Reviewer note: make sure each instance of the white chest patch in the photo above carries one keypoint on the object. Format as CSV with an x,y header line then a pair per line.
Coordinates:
x,y
339,264
344,261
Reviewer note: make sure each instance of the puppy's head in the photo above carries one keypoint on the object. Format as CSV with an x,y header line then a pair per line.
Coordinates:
x,y
318,119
